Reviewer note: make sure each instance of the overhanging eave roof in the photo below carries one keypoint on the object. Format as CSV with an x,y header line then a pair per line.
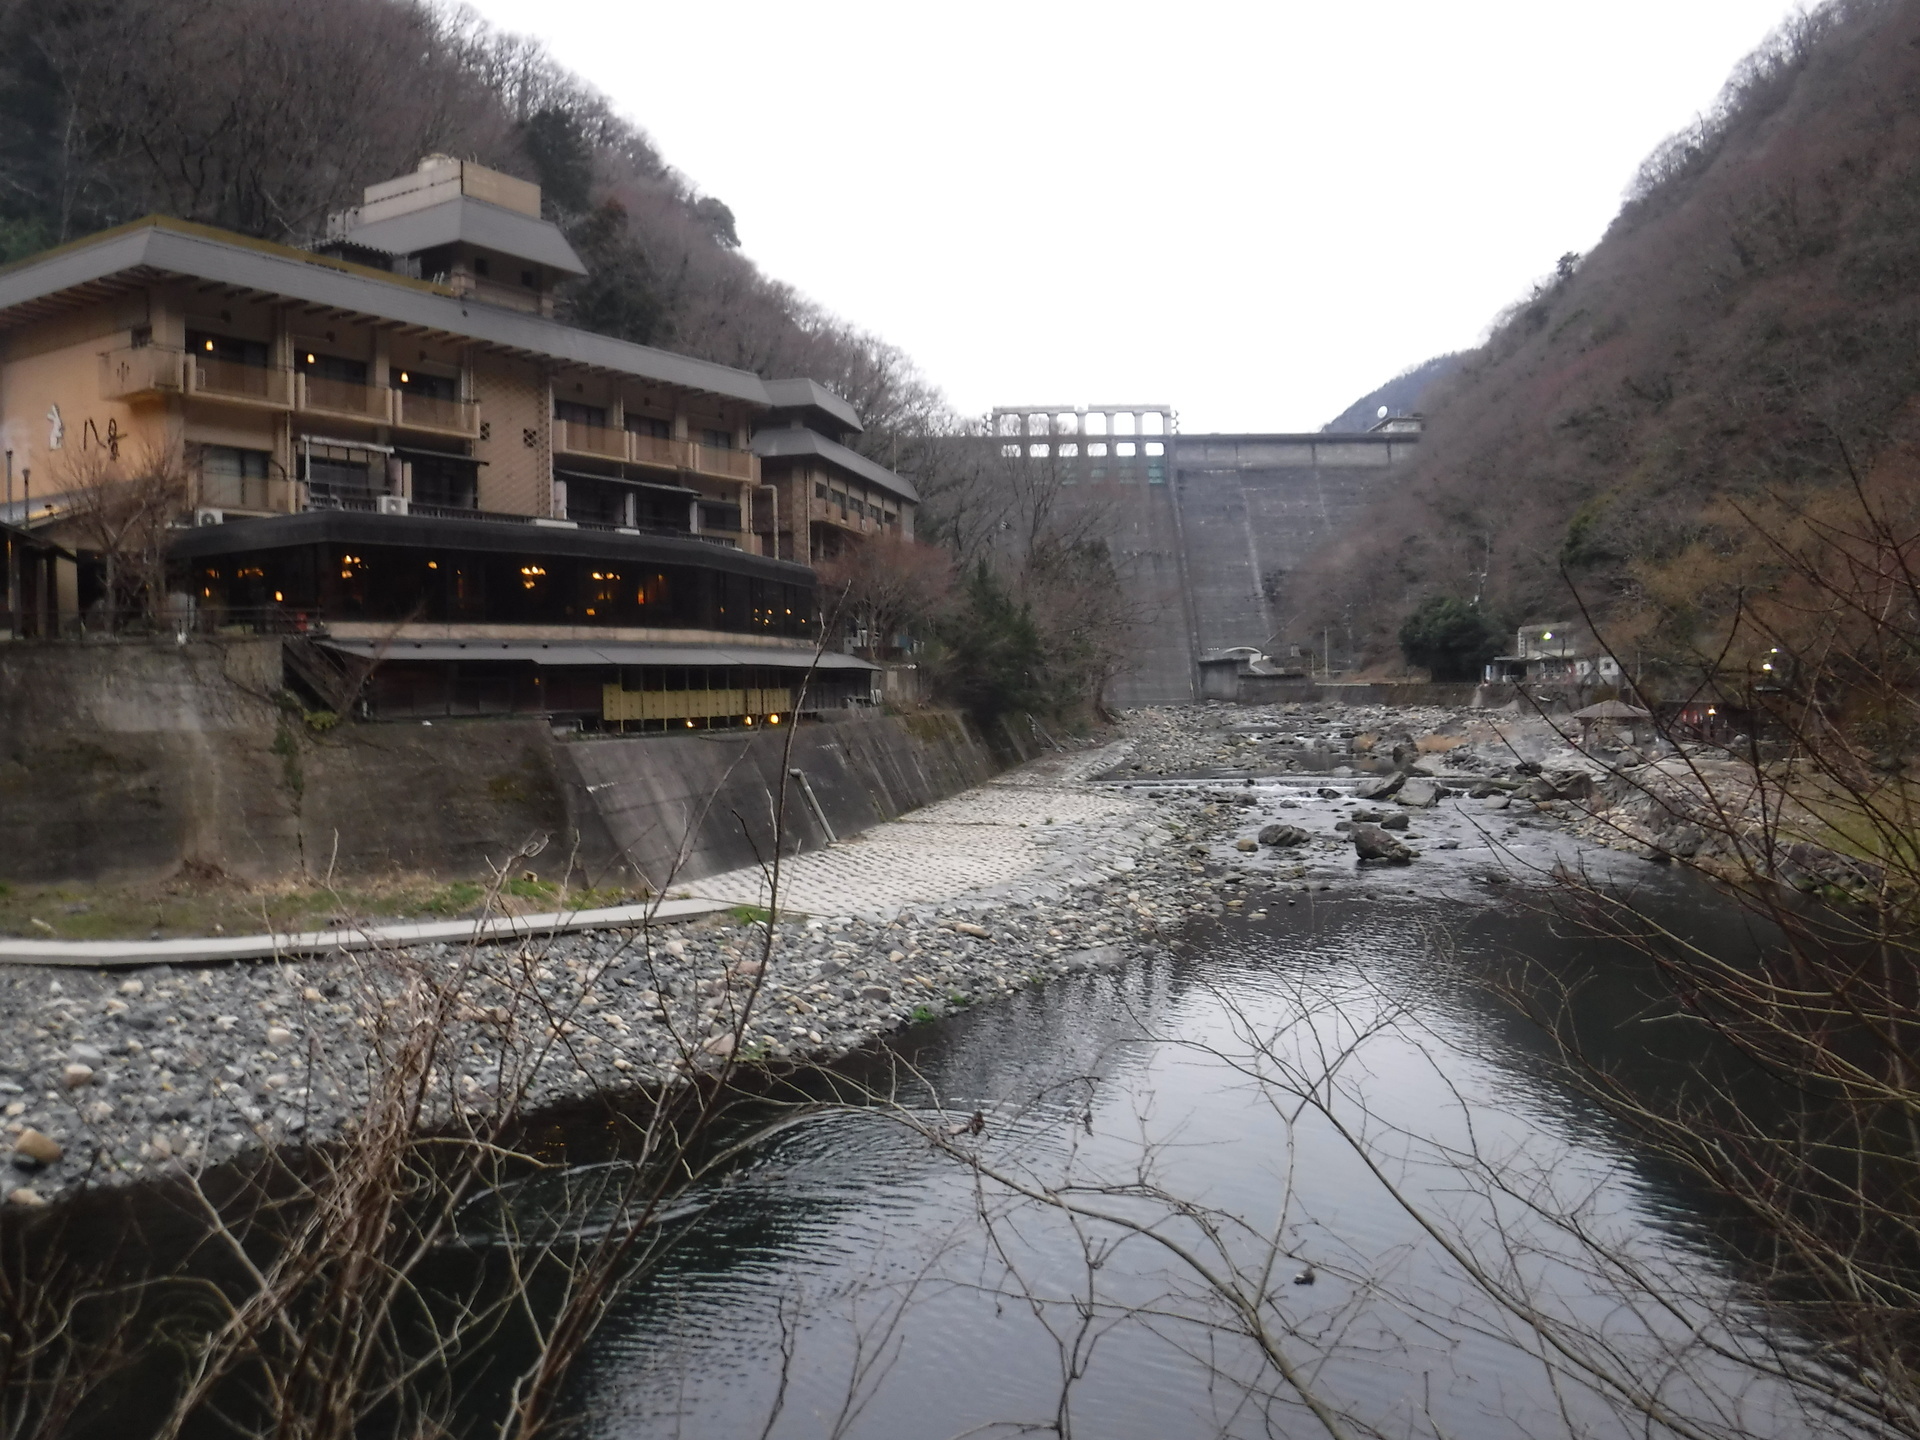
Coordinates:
x,y
115,261
793,442
489,227
575,654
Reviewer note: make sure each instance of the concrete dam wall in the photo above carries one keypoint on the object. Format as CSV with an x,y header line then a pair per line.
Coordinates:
x,y
1206,551
132,761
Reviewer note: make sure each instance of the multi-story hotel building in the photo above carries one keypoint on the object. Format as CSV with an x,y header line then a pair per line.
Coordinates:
x,y
393,447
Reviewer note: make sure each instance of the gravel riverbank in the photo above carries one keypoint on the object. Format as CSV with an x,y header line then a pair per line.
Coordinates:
x,y
131,1074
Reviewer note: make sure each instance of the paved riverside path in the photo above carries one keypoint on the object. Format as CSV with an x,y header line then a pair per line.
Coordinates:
x,y
1028,835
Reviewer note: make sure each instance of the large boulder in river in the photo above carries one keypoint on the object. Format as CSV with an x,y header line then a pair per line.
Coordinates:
x,y
1419,793
1379,787
1370,842
1561,785
1280,836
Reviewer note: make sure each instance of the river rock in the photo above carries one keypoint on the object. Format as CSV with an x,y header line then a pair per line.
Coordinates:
x,y
1246,843
1379,787
1370,842
25,1196
1280,836
876,992
76,1075
33,1150
1571,784
1682,840
1327,792
1398,821
1100,957
1419,793
86,1055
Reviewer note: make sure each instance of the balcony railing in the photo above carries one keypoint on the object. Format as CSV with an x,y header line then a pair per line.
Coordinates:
x,y
140,370
445,417
230,381
654,450
571,437
729,464
343,397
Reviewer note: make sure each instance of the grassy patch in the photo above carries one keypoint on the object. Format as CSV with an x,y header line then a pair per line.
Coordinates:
x,y
209,904
924,1013
751,914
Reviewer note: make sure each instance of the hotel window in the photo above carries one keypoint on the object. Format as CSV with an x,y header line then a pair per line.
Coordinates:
x,y
331,367
418,382
234,479
575,413
225,347
717,439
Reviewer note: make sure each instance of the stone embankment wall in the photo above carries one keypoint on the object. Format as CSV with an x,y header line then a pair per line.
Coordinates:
x,y
133,761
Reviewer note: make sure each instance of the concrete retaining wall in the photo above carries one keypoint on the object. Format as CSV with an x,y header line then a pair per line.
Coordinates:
x,y
133,761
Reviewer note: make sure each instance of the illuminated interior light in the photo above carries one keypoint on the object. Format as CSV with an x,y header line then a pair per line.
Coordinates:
x,y
310,359
403,377
209,344
773,719
278,596
689,724
433,564
749,720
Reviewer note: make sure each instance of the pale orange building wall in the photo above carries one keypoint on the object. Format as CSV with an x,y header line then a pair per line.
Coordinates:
x,y
56,363
517,436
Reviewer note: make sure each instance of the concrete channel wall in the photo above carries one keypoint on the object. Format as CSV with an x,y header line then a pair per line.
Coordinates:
x,y
135,761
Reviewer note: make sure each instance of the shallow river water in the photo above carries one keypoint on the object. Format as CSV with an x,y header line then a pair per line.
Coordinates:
x,y
1337,1087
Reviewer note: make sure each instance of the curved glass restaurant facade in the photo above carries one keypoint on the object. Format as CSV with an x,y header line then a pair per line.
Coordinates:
x,y
607,630
340,567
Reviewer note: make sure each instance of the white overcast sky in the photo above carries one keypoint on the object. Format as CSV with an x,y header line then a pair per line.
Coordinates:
x,y
1253,212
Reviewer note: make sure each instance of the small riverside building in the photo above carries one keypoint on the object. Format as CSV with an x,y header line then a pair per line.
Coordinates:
x,y
391,450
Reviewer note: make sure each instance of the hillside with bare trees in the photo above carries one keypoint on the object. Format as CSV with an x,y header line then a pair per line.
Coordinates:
x,y
262,118
1742,335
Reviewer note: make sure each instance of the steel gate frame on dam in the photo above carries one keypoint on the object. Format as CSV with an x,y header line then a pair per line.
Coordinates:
x,y
1205,529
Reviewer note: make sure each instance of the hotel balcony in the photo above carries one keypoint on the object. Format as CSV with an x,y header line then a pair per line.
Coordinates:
x,y
724,464
233,383
319,395
460,418
572,437
141,370
657,452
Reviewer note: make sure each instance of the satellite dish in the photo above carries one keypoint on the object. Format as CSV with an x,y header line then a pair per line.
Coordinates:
x,y
1382,414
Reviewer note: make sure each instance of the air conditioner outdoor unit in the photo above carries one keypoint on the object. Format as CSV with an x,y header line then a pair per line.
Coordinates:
x,y
391,504
209,517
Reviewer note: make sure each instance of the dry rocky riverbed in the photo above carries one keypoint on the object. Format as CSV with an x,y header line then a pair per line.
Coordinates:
x,y
1069,865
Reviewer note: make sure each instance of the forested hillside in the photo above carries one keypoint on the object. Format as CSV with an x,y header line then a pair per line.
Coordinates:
x,y
1750,321
262,117
1405,394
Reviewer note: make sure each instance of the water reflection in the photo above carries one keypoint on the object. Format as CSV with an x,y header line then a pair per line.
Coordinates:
x,y
1341,1088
